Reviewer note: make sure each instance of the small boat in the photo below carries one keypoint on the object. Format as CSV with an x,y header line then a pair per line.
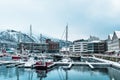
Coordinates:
x,y
66,60
19,56
16,57
43,65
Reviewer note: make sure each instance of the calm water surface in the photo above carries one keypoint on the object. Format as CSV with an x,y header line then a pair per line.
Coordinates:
x,y
76,73
58,73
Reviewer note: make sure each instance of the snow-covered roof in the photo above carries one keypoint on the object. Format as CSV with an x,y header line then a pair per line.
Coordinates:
x,y
117,33
97,41
110,36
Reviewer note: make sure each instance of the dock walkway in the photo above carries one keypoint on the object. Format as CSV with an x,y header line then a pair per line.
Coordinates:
x,y
69,66
83,63
92,65
89,65
115,64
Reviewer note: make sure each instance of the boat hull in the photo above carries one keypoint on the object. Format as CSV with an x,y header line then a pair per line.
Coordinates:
x,y
16,57
41,66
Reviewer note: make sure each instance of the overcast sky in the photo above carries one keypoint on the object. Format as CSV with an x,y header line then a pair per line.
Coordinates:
x,y
84,17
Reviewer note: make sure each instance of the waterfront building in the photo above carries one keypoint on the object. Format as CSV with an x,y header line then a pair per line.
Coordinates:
x,y
110,44
79,46
7,44
92,45
71,48
33,47
113,42
96,47
53,47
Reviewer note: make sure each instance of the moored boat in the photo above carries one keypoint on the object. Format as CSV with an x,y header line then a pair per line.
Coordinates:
x,y
19,56
16,57
43,65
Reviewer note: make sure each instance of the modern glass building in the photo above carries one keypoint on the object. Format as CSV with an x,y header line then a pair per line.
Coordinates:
x,y
97,47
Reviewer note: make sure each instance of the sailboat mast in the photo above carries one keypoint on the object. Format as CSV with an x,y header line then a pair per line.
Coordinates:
x,y
30,31
31,37
41,38
66,33
66,36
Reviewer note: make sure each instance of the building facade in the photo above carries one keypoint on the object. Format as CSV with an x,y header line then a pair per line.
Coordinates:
x,y
53,47
79,46
113,42
97,47
33,47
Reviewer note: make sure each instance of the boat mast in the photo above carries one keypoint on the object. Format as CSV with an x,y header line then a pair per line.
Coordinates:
x,y
66,48
31,37
20,42
41,43
30,31
66,36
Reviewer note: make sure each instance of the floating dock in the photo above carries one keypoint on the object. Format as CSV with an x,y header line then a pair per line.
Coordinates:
x,y
103,63
68,67
89,65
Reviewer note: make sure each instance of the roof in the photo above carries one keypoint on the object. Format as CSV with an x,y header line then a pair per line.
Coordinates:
x,y
110,36
95,41
117,33
80,40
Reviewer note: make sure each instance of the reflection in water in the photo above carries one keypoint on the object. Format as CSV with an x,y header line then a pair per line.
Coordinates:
x,y
15,73
114,73
75,73
41,74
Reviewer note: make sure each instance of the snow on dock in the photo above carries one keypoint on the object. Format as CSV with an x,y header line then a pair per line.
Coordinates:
x,y
19,63
115,64
81,63
68,67
10,65
89,65
51,65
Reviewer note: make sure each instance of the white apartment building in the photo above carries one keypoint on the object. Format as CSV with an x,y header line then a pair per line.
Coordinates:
x,y
113,42
71,48
79,46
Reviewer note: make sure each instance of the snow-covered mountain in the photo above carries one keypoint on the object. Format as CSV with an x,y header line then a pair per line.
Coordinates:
x,y
14,37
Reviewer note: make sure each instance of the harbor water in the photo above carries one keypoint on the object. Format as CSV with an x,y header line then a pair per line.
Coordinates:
x,y
58,73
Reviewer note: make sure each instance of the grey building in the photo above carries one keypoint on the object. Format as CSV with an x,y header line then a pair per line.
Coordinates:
x,y
97,47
